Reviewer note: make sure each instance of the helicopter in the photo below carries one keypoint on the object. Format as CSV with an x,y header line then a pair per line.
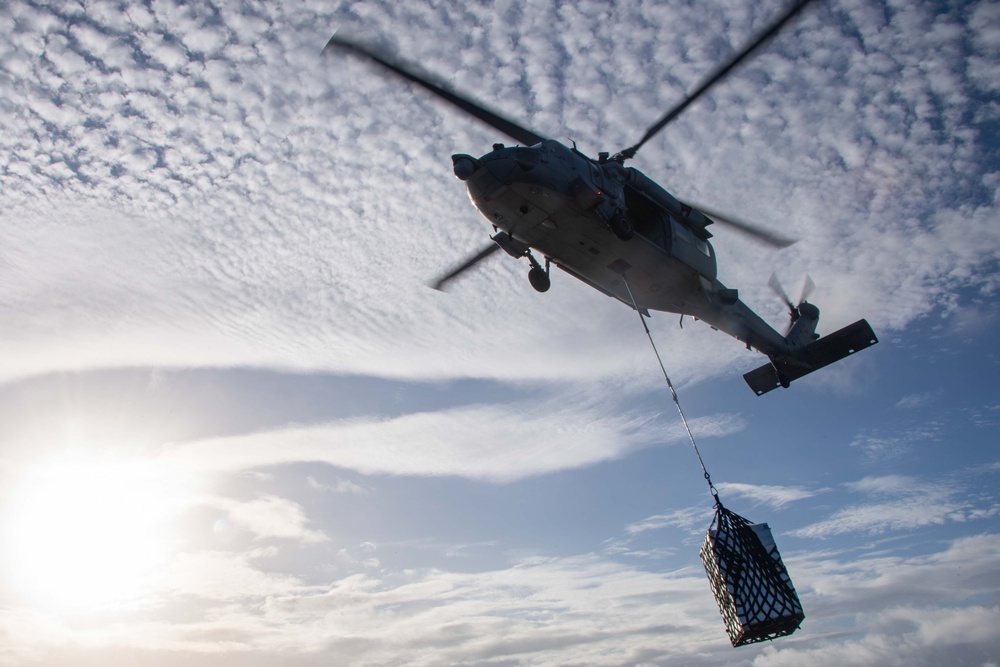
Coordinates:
x,y
617,230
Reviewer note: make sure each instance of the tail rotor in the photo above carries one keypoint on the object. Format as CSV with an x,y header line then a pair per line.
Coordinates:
x,y
802,307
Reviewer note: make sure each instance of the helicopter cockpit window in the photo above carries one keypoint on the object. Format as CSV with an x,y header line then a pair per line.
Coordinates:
x,y
527,157
703,247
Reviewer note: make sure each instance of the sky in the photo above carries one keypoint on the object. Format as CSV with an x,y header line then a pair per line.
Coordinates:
x,y
237,427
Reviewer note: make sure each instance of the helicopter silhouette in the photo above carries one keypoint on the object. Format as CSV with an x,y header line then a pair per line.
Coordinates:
x,y
620,232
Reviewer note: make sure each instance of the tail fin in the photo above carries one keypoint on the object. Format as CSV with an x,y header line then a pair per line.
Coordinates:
x,y
823,352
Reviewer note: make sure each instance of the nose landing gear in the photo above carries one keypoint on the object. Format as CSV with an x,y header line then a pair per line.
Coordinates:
x,y
538,276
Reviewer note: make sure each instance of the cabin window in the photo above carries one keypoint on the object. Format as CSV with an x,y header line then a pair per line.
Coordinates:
x,y
703,247
684,234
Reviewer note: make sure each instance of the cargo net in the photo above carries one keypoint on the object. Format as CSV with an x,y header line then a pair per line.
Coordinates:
x,y
751,585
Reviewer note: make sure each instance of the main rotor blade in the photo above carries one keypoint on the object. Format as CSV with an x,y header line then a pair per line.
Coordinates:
x,y
629,153
520,134
465,266
756,231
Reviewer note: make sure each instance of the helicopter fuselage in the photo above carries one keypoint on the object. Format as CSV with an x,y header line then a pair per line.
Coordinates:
x,y
606,224
620,232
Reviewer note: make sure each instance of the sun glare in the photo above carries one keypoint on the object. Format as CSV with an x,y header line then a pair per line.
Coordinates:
x,y
87,535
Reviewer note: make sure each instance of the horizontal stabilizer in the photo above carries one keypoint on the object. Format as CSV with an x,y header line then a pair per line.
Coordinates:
x,y
816,355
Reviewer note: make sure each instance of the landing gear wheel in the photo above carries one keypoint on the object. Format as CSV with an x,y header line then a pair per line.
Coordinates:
x,y
621,226
539,279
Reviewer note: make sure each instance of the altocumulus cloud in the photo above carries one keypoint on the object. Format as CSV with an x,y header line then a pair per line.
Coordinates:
x,y
175,174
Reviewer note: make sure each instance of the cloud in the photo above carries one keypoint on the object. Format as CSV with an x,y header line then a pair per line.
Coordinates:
x,y
902,503
920,400
911,610
580,609
463,550
903,637
860,585
773,496
268,517
338,486
227,576
690,519
984,416
361,557
884,485
495,443
545,611
878,446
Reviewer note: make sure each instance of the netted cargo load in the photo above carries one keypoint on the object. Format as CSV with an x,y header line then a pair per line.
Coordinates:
x,y
749,580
